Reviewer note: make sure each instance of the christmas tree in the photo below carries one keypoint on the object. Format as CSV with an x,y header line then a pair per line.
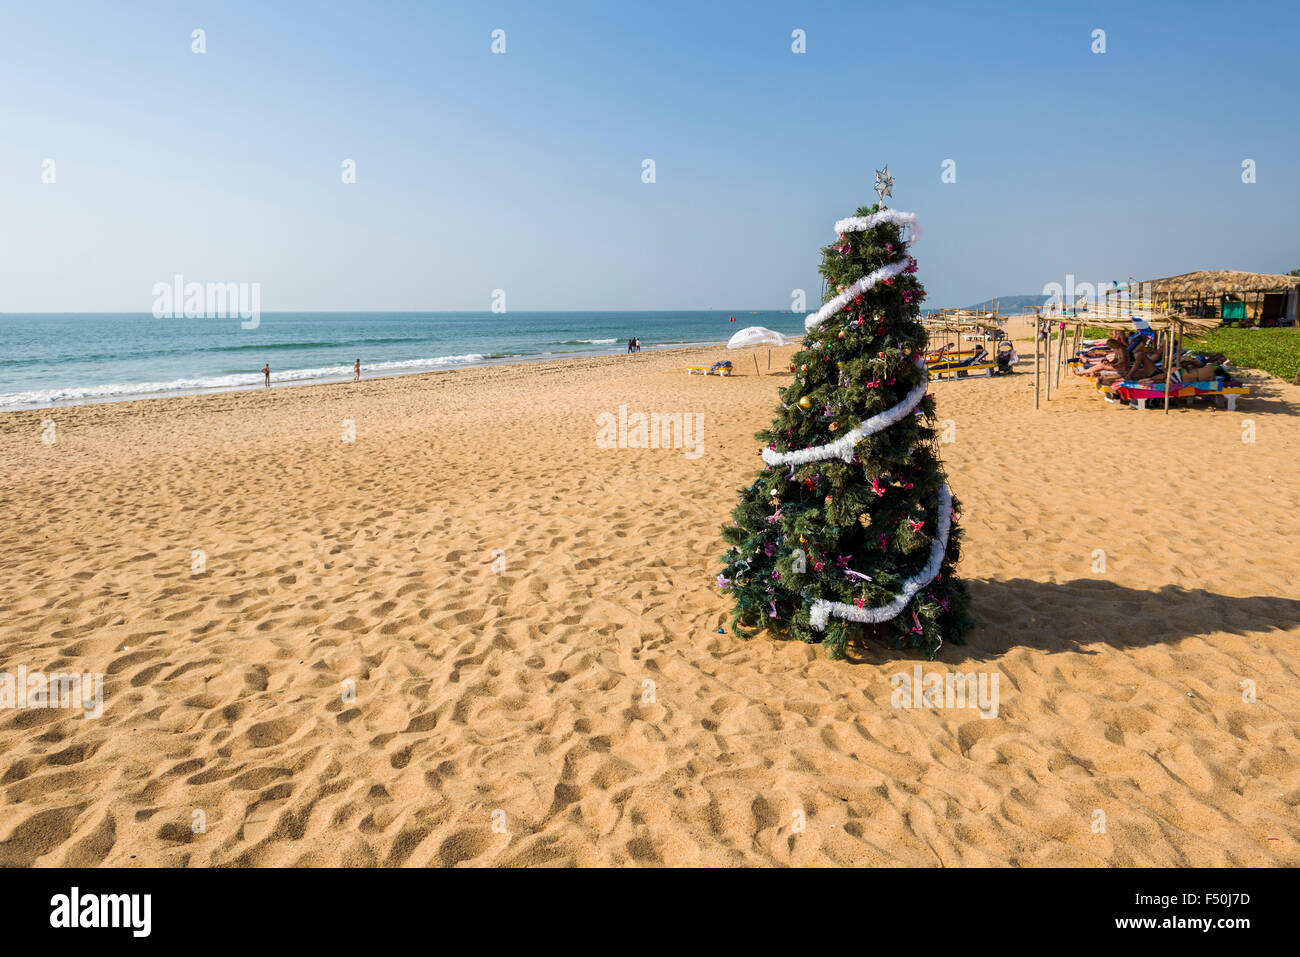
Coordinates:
x,y
849,532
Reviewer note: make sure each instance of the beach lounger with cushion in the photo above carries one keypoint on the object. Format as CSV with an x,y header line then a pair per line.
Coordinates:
x,y
959,370
935,358
1138,395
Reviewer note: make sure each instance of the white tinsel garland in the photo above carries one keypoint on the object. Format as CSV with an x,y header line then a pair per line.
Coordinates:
x,y
842,448
856,224
859,224
822,609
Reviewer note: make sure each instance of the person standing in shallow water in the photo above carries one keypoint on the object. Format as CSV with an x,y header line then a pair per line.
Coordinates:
x,y
266,371
356,371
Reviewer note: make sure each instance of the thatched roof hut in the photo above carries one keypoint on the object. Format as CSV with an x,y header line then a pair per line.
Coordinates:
x,y
1262,296
1210,283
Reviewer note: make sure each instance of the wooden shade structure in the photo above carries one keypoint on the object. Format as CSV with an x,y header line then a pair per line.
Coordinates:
x,y
963,322
1115,314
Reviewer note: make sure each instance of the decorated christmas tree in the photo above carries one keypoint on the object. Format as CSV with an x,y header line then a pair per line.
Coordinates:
x,y
850,530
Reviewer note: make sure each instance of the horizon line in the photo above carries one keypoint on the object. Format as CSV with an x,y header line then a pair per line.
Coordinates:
x,y
399,312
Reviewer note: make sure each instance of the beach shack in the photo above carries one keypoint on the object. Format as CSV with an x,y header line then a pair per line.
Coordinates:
x,y
1226,294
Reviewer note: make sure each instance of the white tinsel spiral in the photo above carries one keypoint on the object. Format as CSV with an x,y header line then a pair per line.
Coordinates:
x,y
842,448
856,224
822,609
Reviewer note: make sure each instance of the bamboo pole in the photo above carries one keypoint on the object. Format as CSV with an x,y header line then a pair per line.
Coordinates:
x,y
1052,366
1052,384
1060,353
1037,324
1078,337
1047,363
1169,362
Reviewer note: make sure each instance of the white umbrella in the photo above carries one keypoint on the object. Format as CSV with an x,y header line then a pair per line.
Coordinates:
x,y
752,336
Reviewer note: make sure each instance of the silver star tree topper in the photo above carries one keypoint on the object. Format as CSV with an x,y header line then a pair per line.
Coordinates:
x,y
884,182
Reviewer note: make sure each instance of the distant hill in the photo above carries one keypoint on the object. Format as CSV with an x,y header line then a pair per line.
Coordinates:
x,y
1010,305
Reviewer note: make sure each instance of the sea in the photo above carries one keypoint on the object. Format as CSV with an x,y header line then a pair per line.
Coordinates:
x,y
51,359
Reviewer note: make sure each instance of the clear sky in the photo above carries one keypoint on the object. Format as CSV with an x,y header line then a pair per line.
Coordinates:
x,y
522,171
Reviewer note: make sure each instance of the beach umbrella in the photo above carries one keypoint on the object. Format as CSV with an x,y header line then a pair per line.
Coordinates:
x,y
754,336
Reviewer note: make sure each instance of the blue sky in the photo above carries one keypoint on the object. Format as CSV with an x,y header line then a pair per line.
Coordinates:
x,y
522,171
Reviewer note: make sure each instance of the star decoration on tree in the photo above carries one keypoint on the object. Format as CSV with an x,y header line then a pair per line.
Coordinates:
x,y
884,183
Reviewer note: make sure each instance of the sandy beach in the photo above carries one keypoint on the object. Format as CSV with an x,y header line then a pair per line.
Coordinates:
x,y
426,620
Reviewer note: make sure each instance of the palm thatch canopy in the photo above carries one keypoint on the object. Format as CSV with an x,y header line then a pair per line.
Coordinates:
x,y
1157,321
1217,282
968,319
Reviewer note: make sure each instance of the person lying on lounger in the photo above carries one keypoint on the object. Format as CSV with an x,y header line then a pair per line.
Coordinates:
x,y
1114,367
1104,350
1205,373
1144,364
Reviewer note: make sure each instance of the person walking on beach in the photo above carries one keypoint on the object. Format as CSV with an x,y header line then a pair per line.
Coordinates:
x,y
629,346
266,371
638,344
356,371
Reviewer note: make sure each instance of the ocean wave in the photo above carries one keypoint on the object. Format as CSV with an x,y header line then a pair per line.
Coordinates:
x,y
154,353
239,380
585,342
257,347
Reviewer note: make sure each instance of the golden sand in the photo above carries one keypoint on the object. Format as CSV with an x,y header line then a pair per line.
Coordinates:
x,y
471,636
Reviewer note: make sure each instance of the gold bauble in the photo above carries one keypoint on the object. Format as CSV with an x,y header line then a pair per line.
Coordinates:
x,y
805,403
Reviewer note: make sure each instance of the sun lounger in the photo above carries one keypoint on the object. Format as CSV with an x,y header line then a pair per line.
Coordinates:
x,y
1230,394
1138,395
709,370
957,370
934,358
